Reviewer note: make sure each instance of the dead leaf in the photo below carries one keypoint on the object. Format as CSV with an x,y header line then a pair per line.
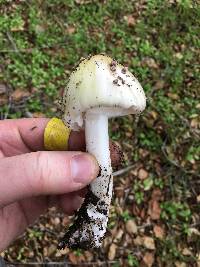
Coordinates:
x,y
45,251
130,20
143,153
18,28
154,114
159,85
143,213
138,241
131,227
119,210
173,96
58,254
76,259
198,198
159,231
112,252
156,194
88,256
187,252
72,258
158,168
142,174
38,115
19,94
39,29
55,221
129,134
150,62
198,260
180,264
194,231
65,221
136,211
154,209
194,235
118,235
119,192
51,250
148,259
70,30
64,251
178,55
134,172
82,2
148,242
195,123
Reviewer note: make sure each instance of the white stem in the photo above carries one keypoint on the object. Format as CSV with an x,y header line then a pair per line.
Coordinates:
x,y
91,221
97,143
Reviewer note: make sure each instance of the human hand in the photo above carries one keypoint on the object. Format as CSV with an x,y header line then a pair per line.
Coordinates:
x,y
31,180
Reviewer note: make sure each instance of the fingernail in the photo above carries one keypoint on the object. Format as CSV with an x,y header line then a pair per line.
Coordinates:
x,y
83,168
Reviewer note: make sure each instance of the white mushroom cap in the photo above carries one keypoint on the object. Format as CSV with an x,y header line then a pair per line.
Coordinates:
x,y
100,83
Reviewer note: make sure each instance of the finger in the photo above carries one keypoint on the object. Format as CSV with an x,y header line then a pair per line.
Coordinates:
x,y
82,192
77,141
43,173
33,207
69,203
28,135
22,135
17,216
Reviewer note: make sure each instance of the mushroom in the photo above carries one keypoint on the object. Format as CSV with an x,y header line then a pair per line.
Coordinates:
x,y
98,89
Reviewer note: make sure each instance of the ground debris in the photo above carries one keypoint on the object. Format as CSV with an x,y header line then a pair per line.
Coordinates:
x,y
19,94
148,242
142,174
148,259
112,251
158,231
131,227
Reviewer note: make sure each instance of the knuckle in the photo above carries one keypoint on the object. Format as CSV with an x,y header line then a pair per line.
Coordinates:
x,y
42,171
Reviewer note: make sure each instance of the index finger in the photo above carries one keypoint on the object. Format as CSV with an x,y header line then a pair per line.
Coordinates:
x,y
28,134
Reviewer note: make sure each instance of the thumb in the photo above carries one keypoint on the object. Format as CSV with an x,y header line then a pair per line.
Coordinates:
x,y
42,173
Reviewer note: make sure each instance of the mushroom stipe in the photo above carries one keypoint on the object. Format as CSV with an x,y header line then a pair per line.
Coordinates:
x,y
99,88
81,217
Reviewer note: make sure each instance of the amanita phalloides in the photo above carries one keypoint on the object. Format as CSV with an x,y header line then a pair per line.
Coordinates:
x,y
98,89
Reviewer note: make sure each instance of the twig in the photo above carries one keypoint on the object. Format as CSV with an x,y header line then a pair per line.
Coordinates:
x,y
12,42
125,170
144,226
